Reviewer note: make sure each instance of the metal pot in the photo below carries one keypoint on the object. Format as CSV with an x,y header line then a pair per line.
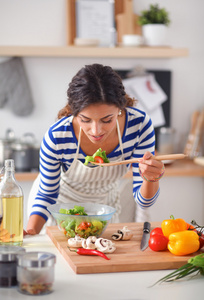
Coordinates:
x,y
5,146
25,153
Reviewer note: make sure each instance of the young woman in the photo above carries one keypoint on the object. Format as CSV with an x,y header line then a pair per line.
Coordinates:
x,y
99,114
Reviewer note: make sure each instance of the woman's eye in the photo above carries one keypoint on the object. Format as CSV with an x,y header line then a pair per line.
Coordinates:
x,y
108,121
85,121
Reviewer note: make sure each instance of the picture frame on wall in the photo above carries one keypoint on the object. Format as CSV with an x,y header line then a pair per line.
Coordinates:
x,y
95,19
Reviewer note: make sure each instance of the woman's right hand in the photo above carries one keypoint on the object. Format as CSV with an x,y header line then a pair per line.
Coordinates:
x,y
29,232
35,224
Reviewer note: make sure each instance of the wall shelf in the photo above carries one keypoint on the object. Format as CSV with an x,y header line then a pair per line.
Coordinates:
x,y
76,51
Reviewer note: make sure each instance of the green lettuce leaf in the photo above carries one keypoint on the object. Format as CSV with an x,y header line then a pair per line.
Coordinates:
x,y
100,153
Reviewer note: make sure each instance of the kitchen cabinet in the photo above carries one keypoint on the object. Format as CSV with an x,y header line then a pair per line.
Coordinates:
x,y
77,51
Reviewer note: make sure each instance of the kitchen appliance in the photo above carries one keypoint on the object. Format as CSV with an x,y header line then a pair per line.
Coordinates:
x,y
25,153
126,258
146,234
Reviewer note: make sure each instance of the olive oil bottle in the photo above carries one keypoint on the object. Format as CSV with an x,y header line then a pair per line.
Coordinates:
x,y
11,197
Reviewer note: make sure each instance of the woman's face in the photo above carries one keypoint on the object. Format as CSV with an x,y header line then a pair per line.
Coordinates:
x,y
98,121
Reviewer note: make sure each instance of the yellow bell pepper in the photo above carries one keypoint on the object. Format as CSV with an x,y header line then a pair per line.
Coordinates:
x,y
97,224
173,225
183,242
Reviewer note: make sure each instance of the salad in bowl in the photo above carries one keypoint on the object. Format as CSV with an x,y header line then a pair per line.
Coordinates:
x,y
83,219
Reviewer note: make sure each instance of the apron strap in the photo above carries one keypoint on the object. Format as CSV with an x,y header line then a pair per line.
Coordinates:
x,y
119,137
77,152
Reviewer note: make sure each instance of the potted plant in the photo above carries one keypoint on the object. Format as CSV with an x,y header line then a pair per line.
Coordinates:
x,y
154,22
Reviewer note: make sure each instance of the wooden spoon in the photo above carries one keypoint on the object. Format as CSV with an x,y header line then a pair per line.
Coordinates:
x,y
136,160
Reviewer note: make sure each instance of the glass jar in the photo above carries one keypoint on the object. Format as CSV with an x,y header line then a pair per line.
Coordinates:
x,y
35,273
8,265
166,140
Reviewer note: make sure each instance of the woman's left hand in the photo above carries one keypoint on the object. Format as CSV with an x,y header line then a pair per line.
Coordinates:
x,y
150,169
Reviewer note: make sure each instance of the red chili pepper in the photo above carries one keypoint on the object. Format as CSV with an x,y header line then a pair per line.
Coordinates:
x,y
82,251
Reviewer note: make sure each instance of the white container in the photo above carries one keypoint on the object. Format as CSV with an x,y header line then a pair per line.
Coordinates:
x,y
35,273
131,40
155,34
166,140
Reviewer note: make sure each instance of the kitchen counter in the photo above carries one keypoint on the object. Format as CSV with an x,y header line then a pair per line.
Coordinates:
x,y
106,286
184,167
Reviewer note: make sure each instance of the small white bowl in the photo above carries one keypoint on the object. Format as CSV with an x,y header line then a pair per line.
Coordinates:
x,y
132,40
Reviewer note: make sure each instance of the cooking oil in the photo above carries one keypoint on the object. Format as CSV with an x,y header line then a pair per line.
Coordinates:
x,y
11,197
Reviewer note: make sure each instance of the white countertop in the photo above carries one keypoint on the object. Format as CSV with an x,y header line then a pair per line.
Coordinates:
x,y
106,286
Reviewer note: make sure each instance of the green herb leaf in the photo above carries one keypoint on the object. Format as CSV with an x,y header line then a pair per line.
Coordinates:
x,y
194,266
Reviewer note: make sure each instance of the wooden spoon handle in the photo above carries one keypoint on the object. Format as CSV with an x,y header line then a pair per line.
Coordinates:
x,y
135,160
170,156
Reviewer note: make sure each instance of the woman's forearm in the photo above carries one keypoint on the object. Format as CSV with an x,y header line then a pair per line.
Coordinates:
x,y
35,224
149,189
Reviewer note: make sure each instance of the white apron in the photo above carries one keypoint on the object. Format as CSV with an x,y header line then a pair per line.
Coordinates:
x,y
92,183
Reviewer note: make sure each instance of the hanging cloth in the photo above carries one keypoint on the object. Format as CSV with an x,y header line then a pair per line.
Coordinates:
x,y
14,87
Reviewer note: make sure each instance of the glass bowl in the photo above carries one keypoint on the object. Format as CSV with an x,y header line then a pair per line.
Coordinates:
x,y
94,224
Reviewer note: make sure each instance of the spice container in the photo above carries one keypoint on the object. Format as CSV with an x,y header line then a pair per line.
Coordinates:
x,y
8,265
35,273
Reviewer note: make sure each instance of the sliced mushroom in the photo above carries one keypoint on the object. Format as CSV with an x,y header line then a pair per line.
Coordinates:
x,y
89,243
123,234
104,245
75,242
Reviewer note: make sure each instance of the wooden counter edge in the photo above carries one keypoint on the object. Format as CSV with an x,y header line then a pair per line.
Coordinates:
x,y
181,168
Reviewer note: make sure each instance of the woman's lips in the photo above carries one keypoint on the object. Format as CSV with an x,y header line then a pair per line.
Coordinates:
x,y
96,137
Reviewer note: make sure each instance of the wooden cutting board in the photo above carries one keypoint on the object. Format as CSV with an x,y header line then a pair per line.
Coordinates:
x,y
127,256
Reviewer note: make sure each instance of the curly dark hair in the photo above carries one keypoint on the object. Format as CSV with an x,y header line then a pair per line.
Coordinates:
x,y
95,84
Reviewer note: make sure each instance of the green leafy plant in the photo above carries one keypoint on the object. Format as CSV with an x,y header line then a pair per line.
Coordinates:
x,y
154,15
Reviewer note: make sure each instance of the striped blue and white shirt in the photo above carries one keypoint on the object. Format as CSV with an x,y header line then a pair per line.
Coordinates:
x,y
58,150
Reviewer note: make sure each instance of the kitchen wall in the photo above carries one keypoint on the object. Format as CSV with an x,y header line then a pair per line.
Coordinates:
x,y
28,22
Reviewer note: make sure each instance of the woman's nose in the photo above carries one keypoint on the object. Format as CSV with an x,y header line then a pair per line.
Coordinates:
x,y
95,128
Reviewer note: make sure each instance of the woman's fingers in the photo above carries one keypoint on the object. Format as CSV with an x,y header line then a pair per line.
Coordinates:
x,y
29,231
150,167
